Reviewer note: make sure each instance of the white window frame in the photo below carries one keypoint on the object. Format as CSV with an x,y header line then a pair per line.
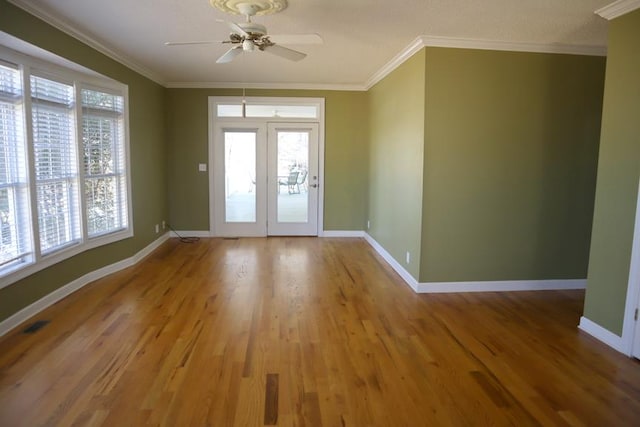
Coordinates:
x,y
44,74
127,168
21,185
80,80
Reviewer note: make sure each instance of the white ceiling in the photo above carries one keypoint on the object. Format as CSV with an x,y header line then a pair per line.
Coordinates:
x,y
360,36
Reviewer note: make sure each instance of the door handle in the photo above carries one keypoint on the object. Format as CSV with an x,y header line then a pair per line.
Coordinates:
x,y
314,185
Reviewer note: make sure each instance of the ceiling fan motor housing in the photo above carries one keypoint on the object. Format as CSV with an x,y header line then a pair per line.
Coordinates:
x,y
250,36
253,28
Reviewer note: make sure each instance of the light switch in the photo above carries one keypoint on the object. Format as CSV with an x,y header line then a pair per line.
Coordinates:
x,y
202,167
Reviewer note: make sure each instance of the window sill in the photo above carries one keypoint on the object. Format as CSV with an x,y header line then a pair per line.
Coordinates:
x,y
20,272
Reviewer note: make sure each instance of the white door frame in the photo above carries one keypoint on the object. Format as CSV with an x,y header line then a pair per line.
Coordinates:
x,y
630,327
213,101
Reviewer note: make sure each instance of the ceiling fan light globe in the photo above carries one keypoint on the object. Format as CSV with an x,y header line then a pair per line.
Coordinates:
x,y
248,46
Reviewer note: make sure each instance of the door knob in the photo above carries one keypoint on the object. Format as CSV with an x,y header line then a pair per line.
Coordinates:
x,y
314,185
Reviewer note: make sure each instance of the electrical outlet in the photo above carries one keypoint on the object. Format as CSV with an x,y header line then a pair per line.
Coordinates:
x,y
408,257
164,225
157,228
202,167
368,225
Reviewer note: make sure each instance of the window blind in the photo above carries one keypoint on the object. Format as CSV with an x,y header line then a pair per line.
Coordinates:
x,y
15,220
64,176
55,162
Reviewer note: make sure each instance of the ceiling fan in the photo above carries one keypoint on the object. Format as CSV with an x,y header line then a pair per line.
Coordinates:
x,y
249,36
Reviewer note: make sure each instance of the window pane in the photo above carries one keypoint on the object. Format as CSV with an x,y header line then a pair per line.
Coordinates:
x,y
53,143
55,162
293,161
102,205
52,91
240,176
15,246
102,101
230,110
98,138
283,111
15,222
55,200
104,162
276,111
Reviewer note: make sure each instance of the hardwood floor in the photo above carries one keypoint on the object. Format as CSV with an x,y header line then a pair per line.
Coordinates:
x,y
306,331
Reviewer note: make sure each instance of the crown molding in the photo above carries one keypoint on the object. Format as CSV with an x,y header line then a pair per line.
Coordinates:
x,y
571,49
615,9
281,86
395,62
618,8
460,43
67,28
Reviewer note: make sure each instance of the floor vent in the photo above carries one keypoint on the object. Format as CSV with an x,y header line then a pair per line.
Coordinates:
x,y
35,327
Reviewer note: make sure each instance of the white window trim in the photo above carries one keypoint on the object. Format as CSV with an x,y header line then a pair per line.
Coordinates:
x,y
127,157
27,73
214,101
80,81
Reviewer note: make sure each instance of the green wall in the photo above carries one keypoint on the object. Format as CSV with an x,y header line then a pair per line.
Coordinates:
x,y
618,175
346,138
511,146
396,118
148,159
481,164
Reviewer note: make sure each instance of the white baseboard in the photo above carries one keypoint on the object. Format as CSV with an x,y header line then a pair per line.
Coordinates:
x,y
190,233
604,335
66,290
474,286
342,233
325,233
147,250
406,276
501,286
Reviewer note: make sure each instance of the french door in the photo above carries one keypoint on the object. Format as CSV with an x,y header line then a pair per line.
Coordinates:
x,y
265,179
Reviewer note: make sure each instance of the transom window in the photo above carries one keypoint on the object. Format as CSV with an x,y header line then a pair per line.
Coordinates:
x,y
64,182
227,108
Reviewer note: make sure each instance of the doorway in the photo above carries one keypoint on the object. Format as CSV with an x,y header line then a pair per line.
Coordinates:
x,y
635,351
630,343
265,177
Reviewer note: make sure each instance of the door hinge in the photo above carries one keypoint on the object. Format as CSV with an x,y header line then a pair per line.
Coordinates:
x,y
635,316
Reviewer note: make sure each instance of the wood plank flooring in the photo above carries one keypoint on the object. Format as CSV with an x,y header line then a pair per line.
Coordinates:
x,y
306,332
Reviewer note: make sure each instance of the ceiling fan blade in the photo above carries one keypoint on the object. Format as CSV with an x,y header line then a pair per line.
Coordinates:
x,y
237,29
229,55
296,38
283,52
193,42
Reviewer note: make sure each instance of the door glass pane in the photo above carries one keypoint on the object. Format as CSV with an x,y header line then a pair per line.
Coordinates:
x,y
293,163
240,176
